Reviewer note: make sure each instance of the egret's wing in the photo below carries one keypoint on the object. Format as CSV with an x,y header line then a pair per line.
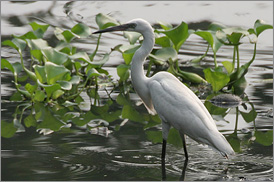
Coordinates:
x,y
179,106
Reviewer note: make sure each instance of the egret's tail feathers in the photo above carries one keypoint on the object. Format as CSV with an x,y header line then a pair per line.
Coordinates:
x,y
222,146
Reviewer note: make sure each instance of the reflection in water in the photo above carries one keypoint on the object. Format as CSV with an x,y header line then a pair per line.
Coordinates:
x,y
182,177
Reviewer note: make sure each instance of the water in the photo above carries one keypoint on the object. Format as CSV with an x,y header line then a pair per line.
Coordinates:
x,y
128,154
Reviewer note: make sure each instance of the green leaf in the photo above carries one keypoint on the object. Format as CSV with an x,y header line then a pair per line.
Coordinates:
x,y
50,121
104,21
228,66
6,64
177,35
132,36
128,54
15,43
37,54
55,72
165,54
30,121
264,137
123,72
217,79
174,138
154,136
128,112
163,41
65,85
165,26
261,26
101,62
216,26
35,26
16,97
7,129
30,88
250,116
211,38
81,56
37,44
39,96
40,73
55,56
92,73
49,88
82,30
57,94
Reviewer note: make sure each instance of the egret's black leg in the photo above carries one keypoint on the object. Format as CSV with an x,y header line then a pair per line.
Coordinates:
x,y
184,144
163,169
182,178
164,149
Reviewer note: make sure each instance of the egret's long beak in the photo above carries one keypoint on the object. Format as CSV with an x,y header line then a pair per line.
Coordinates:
x,y
116,28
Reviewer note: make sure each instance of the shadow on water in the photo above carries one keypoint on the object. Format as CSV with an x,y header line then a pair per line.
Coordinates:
x,y
123,150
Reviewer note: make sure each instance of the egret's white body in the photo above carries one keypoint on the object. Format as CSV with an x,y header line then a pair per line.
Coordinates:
x,y
165,95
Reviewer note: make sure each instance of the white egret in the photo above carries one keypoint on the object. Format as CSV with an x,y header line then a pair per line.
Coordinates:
x,y
175,103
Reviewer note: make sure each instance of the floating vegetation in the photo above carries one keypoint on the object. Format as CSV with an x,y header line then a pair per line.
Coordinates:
x,y
51,83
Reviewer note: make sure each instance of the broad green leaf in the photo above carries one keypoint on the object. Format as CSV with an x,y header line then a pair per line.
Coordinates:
x,y
30,88
165,26
30,121
128,112
211,38
123,72
163,41
37,54
154,136
39,96
7,129
40,73
75,79
57,94
6,64
15,43
104,21
165,54
92,73
28,35
261,26
82,30
234,141
132,37
128,54
264,137
37,44
65,35
121,100
216,78
177,35
174,138
50,121
65,85
228,66
81,56
16,96
250,116
55,56
215,110
35,26
49,88
55,72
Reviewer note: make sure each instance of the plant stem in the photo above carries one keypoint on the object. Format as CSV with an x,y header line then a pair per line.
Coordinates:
x,y
96,49
234,54
238,59
215,61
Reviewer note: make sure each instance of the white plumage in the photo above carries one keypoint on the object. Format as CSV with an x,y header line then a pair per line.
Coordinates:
x,y
165,95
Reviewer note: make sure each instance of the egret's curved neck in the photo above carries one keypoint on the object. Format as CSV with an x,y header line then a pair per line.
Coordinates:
x,y
137,71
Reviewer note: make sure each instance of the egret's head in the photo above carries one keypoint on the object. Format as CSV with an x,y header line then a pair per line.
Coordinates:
x,y
136,25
